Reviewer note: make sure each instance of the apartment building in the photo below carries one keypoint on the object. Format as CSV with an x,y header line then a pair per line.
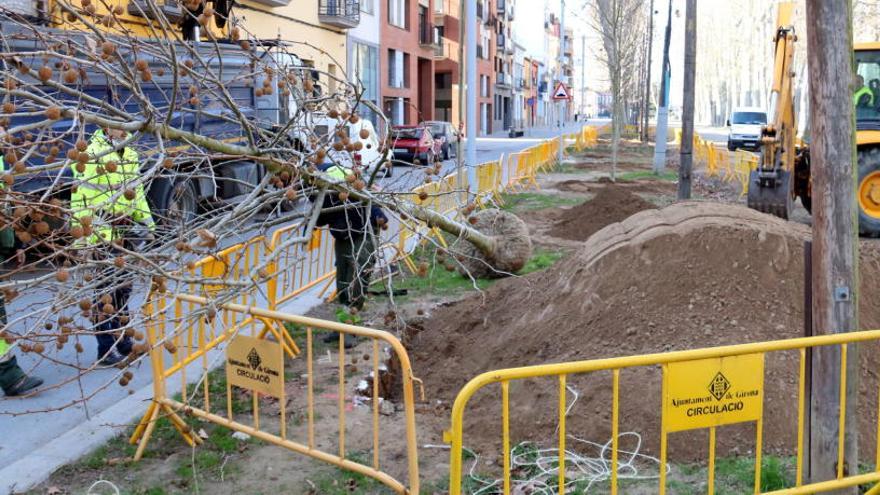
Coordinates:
x,y
501,20
408,44
364,68
323,24
447,76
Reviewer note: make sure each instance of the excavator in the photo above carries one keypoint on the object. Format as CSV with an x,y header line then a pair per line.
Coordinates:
x,y
783,171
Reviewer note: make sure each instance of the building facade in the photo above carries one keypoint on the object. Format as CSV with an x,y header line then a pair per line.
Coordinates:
x,y
364,67
322,24
447,77
408,41
501,19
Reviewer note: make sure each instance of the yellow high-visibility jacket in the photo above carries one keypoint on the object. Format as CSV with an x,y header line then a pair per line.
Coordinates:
x,y
96,188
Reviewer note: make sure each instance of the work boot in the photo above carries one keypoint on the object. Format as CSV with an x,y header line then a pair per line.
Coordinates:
x,y
24,386
111,359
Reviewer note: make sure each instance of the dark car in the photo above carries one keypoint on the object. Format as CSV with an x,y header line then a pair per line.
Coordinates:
x,y
448,136
411,142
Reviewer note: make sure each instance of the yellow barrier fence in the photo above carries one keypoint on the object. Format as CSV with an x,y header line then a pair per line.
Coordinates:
x,y
292,264
700,389
176,344
721,162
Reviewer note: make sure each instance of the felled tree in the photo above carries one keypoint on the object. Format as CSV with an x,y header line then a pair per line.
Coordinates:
x,y
189,109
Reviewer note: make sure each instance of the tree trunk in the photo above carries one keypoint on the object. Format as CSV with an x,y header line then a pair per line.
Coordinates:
x,y
687,122
835,248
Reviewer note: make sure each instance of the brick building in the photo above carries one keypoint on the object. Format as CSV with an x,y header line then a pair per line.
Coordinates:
x,y
408,40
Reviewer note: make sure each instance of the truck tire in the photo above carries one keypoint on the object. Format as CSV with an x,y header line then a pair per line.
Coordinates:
x,y
868,192
174,202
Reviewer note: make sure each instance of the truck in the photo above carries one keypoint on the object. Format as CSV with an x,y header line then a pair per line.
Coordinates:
x,y
783,171
744,128
178,195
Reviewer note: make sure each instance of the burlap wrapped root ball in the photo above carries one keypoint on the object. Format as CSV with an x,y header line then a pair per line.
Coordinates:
x,y
513,246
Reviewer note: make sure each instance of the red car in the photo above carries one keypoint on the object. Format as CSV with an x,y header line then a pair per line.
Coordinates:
x,y
415,141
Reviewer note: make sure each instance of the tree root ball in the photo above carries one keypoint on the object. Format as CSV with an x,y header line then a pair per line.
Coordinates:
x,y
513,246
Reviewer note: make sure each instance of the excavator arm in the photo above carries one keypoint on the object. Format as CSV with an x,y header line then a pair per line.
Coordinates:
x,y
771,184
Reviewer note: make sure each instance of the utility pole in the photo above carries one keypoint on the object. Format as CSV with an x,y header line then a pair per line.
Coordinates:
x,y
663,110
560,104
835,247
459,151
687,121
473,90
645,116
583,75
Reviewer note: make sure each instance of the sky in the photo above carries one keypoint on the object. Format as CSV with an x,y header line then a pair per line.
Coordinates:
x,y
529,32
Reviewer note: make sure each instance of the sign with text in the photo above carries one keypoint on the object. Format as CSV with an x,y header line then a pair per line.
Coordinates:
x,y
255,364
714,392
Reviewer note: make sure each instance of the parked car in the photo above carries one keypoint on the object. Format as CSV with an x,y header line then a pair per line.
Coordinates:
x,y
744,128
410,142
447,134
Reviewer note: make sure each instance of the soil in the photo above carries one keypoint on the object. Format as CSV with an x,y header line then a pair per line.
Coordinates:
x,y
691,275
610,205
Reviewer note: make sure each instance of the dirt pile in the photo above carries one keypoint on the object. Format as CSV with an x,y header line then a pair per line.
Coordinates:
x,y
690,275
611,204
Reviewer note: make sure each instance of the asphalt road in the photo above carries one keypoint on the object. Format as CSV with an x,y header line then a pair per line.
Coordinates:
x,y
32,424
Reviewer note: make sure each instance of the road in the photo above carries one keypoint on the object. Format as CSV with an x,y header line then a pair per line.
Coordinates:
x,y
58,426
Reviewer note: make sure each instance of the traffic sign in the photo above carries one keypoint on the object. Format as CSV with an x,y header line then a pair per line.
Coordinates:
x,y
561,92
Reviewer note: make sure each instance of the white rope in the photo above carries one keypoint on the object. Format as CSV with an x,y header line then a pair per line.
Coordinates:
x,y
583,467
102,482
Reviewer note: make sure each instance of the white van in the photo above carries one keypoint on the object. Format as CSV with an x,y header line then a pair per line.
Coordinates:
x,y
744,128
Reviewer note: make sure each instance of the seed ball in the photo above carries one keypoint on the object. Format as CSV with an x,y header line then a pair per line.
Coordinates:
x,y
258,92
124,319
82,145
129,332
337,146
45,73
138,335
170,347
146,76
39,348
168,163
333,114
86,3
108,48
365,133
62,275
423,195
354,118
108,309
290,194
76,232
245,45
53,113
70,76
91,11
111,167
141,64
119,262
85,305
19,167
41,228
123,381
129,194
8,107
128,375
81,167
78,347
118,10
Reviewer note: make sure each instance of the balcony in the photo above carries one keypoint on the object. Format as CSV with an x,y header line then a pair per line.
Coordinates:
x,y
343,14
504,81
499,6
428,37
500,40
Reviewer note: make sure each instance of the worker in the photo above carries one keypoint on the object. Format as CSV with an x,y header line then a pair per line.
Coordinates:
x,y
107,192
13,380
353,228
863,96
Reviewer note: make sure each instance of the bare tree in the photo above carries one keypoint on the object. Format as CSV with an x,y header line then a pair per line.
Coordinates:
x,y
230,112
619,22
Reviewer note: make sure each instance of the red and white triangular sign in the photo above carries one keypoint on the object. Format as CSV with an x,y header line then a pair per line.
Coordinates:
x,y
561,92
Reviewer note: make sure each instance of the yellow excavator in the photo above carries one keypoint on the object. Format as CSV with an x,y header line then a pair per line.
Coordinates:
x,y
783,171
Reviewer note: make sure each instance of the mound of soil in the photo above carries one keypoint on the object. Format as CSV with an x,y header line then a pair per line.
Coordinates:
x,y
611,204
687,276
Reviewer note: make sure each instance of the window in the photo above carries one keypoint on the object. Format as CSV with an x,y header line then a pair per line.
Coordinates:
x,y
367,7
365,72
395,68
867,88
397,13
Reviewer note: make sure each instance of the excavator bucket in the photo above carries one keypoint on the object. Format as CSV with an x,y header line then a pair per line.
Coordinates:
x,y
771,194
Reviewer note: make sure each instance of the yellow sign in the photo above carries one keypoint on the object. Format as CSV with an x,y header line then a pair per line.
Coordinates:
x,y
714,392
256,364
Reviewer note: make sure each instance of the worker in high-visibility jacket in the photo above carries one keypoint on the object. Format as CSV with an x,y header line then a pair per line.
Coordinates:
x,y
863,97
13,379
109,193
354,230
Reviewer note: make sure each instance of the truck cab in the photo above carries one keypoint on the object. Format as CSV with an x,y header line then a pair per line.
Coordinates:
x,y
744,128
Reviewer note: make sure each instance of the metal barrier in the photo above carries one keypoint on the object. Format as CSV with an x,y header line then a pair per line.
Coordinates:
x,y
732,392
721,162
292,265
176,344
